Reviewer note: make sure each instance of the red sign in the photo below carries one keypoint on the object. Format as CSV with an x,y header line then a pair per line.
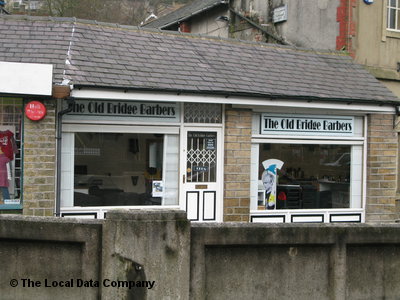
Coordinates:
x,y
35,111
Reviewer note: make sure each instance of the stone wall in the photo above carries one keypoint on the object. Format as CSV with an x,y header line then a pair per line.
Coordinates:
x,y
158,254
39,157
147,246
292,261
382,161
237,165
36,253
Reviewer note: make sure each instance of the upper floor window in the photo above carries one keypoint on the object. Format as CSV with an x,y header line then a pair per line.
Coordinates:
x,y
393,15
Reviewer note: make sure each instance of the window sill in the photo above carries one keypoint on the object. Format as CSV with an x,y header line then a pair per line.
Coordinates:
x,y
10,206
391,33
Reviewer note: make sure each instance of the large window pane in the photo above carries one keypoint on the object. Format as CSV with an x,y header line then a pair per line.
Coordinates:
x,y
391,22
398,19
393,14
312,176
114,169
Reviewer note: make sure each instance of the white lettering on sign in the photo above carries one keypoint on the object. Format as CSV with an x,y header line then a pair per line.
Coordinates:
x,y
307,125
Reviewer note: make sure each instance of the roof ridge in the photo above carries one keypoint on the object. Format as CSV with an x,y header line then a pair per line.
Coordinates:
x,y
76,21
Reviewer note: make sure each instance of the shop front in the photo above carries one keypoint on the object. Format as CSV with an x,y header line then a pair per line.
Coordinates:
x,y
225,130
19,84
141,154
308,166
293,161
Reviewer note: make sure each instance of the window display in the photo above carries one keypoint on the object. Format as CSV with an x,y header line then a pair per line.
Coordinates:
x,y
125,169
308,176
10,154
268,178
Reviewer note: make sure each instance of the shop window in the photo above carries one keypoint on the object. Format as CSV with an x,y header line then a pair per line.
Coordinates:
x,y
120,169
393,15
10,150
308,176
203,113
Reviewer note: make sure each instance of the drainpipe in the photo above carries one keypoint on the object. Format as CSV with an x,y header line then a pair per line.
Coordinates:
x,y
71,102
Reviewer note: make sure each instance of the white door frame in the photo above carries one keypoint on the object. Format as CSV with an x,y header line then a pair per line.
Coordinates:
x,y
202,190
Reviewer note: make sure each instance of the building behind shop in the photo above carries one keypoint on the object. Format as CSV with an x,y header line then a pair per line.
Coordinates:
x,y
143,119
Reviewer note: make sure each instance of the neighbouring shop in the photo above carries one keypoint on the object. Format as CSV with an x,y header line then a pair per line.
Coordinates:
x,y
21,86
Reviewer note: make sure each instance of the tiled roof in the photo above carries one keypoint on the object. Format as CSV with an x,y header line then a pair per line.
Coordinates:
x,y
105,55
183,13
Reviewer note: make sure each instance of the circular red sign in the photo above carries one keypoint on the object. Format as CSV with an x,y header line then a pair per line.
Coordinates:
x,y
35,111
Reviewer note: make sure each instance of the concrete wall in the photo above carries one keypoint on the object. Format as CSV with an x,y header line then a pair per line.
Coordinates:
x,y
207,24
151,246
295,262
255,10
310,24
157,254
46,251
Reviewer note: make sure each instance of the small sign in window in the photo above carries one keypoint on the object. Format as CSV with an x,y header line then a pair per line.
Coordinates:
x,y
210,143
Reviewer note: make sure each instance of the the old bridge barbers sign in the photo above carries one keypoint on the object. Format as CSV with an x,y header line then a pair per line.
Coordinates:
x,y
307,125
88,109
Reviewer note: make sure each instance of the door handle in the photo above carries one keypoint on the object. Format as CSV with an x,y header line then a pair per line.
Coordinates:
x,y
184,178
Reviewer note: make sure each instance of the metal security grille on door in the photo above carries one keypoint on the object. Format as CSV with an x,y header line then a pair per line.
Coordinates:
x,y
201,185
201,156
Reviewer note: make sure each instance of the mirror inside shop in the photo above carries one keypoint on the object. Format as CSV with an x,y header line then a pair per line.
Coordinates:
x,y
296,176
114,169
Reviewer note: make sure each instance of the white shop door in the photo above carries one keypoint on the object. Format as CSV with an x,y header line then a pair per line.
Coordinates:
x,y
201,188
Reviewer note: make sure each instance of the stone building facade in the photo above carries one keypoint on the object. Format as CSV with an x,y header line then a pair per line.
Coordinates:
x,y
194,124
382,169
237,165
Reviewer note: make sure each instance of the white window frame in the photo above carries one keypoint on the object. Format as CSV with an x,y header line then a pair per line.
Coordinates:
x,y
319,215
69,131
396,15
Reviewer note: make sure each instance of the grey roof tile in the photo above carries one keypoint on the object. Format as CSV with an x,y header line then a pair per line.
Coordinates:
x,y
127,57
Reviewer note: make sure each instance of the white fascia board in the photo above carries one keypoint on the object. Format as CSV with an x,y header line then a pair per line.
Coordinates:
x,y
112,94
26,78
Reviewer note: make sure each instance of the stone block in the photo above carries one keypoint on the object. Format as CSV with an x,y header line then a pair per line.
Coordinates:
x,y
231,202
151,246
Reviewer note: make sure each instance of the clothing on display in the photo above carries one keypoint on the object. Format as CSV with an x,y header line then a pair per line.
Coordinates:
x,y
4,160
7,144
4,176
